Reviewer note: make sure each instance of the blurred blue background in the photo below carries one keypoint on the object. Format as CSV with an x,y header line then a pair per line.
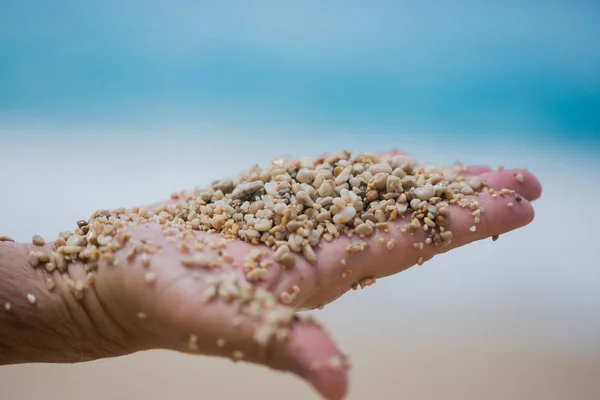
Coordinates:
x,y
466,67
106,104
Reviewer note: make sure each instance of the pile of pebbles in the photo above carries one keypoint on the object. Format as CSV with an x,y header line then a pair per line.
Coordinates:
x,y
291,206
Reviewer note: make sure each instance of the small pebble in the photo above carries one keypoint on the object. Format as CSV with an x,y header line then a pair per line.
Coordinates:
x,y
364,229
31,298
193,343
32,259
150,277
519,177
145,259
446,236
335,362
42,257
7,306
38,240
71,249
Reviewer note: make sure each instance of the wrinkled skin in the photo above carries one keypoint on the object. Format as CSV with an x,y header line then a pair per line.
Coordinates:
x,y
174,309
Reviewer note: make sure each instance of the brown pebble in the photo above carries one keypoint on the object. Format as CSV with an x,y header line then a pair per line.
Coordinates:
x,y
32,259
6,239
38,240
71,249
309,254
288,260
364,229
42,257
383,226
446,236
372,195
415,224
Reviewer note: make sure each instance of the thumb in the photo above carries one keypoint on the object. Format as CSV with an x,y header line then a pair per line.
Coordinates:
x,y
253,327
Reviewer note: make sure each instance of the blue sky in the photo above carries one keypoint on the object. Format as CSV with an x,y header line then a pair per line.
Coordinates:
x,y
464,66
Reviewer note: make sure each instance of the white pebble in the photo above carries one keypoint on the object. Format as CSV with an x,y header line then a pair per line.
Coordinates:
x,y
346,215
424,193
263,225
378,168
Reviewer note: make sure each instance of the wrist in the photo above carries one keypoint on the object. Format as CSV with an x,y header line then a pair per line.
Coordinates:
x,y
40,318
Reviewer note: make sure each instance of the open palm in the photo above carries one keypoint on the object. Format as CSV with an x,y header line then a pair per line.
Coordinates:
x,y
175,301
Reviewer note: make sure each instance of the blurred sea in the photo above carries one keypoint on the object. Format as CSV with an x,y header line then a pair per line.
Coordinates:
x,y
108,104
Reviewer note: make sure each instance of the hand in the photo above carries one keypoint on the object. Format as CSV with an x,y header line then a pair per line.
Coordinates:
x,y
156,301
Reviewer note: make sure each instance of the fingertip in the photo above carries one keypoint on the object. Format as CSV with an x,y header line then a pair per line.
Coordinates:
x,y
520,180
497,214
314,356
527,185
527,210
505,213
534,185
